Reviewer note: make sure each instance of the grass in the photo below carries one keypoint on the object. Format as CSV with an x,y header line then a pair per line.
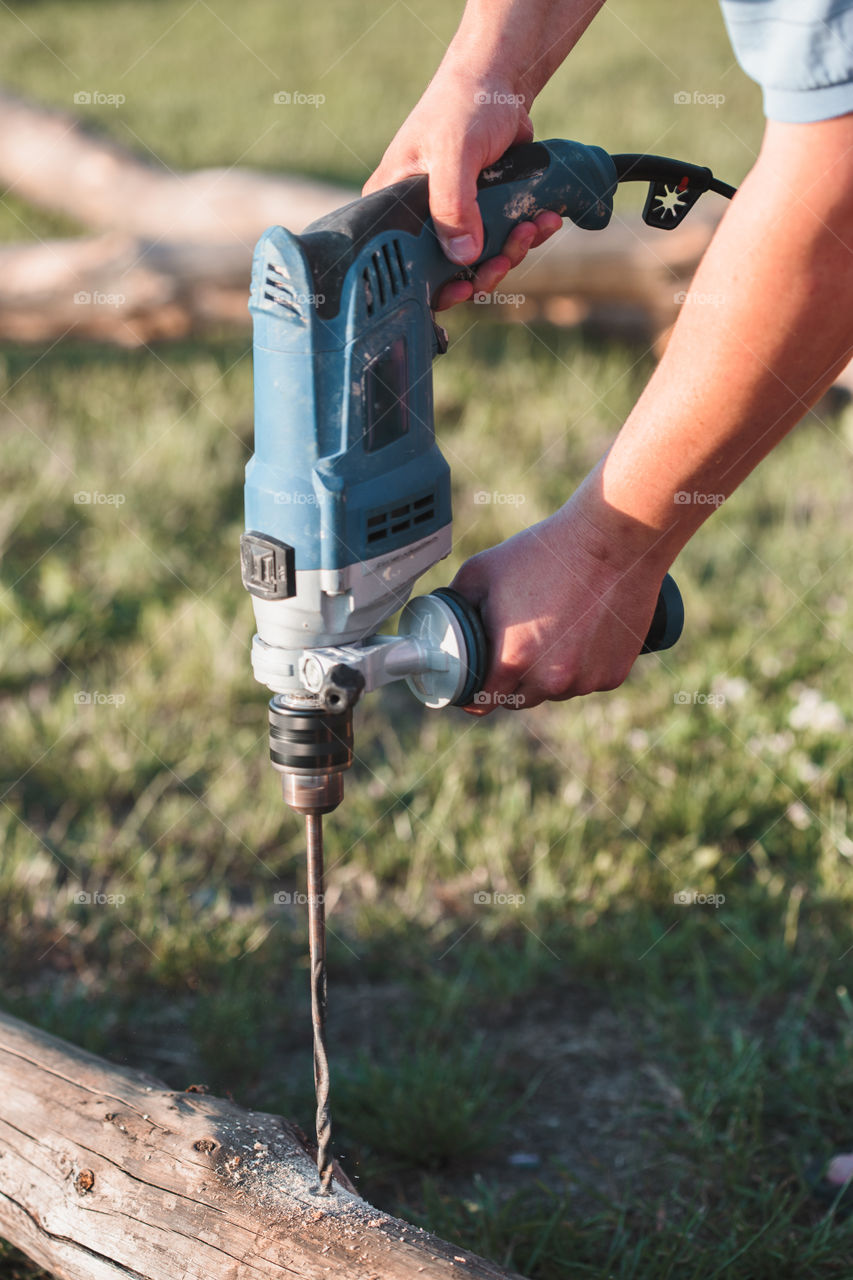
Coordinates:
x,y
590,1079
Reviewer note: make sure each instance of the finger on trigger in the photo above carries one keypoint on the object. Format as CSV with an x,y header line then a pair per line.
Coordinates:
x,y
519,240
451,294
546,224
490,273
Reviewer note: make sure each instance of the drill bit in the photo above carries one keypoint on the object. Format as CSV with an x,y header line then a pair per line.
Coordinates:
x,y
317,952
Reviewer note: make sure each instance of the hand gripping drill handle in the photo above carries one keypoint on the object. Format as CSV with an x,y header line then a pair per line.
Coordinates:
x,y
570,178
666,627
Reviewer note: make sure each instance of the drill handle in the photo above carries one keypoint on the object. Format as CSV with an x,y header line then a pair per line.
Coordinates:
x,y
665,629
570,178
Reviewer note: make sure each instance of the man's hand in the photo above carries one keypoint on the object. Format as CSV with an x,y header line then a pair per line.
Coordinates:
x,y
565,611
462,124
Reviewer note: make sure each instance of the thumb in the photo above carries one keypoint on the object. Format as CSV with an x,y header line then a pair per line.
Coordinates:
x,y
453,205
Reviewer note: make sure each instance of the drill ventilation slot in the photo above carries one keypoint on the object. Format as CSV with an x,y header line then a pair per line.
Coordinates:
x,y
391,521
385,277
279,292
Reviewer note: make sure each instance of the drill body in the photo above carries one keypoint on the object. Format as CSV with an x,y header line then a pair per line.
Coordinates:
x,y
348,495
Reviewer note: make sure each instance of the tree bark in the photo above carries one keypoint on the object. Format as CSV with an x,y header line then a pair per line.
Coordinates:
x,y
105,1173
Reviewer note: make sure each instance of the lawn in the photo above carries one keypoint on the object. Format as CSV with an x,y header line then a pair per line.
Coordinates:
x,y
580,1076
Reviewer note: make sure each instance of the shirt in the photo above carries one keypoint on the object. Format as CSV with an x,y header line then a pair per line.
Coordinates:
x,y
799,51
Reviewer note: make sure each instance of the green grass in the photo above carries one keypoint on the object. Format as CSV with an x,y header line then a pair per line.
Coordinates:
x,y
673,1068
595,812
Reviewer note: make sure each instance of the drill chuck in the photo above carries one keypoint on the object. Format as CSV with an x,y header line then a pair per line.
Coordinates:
x,y
310,747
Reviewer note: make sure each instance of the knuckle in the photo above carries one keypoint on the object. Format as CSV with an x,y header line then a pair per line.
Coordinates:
x,y
554,683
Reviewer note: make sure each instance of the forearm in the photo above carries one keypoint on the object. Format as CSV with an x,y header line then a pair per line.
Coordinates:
x,y
520,43
767,325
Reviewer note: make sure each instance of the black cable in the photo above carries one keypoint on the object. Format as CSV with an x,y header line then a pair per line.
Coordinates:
x,y
636,167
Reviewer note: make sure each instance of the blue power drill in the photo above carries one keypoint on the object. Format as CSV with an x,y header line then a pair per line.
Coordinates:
x,y
348,495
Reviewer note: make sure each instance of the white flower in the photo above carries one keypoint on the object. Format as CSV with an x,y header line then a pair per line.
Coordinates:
x,y
813,712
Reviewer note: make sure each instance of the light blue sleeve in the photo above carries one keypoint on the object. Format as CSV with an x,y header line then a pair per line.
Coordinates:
x,y
799,51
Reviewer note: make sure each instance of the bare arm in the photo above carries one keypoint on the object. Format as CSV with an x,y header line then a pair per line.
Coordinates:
x,y
767,325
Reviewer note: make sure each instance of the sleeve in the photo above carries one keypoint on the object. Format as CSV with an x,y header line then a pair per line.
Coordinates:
x,y
799,51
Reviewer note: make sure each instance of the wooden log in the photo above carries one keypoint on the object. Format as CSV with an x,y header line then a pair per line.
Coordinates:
x,y
50,159
105,1172
129,290
121,289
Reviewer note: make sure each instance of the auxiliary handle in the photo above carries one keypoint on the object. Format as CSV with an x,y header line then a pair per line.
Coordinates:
x,y
666,627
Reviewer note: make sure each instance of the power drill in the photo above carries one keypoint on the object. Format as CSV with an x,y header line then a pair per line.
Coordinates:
x,y
348,495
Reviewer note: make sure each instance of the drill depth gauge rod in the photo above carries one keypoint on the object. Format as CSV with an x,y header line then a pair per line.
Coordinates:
x,y
348,495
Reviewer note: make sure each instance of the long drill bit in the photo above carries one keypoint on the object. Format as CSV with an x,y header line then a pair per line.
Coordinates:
x,y
317,952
